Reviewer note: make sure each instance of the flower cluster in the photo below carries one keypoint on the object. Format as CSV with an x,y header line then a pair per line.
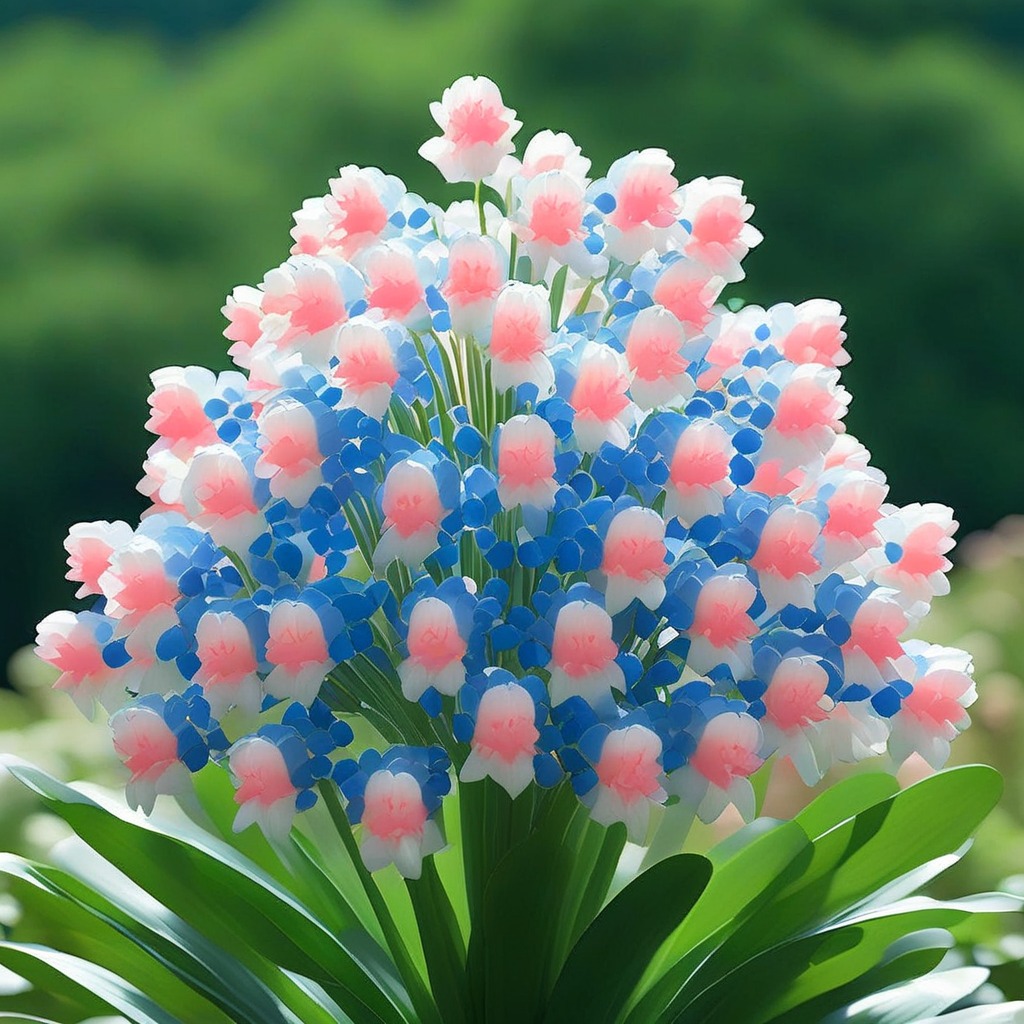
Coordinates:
x,y
512,481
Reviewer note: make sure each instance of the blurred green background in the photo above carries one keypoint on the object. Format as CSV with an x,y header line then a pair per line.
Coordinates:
x,y
151,154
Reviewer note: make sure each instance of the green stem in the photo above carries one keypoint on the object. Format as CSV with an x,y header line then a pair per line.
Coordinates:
x,y
479,200
422,1001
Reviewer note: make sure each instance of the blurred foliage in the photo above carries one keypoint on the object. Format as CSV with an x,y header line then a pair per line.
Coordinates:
x,y
883,144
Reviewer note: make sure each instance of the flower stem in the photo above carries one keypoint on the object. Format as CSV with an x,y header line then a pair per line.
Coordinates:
x,y
479,200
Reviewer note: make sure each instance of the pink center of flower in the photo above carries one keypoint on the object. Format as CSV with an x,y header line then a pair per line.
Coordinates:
x,y
721,612
582,651
629,769
364,366
227,495
793,699
413,507
719,221
721,758
556,219
803,405
292,453
178,415
394,810
921,554
653,353
853,511
145,747
144,588
436,646
517,336
524,464
88,560
243,325
876,629
79,656
362,213
684,296
646,196
225,660
297,645
263,775
396,295
813,343
600,392
786,546
472,279
505,726
639,557
475,122
700,459
933,701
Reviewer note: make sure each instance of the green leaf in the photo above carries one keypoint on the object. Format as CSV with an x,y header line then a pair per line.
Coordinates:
x,y
557,295
46,968
844,800
1004,1013
626,933
231,900
913,1000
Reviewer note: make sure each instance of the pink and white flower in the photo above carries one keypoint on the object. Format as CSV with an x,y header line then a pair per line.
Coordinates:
x,y
872,652
265,794
583,655
647,205
699,479
413,512
600,398
549,225
477,268
811,332
787,559
635,559
149,749
89,547
504,739
73,644
795,706
136,582
726,755
477,130
688,290
519,337
366,367
854,510
546,151
722,628
243,309
654,347
396,826
936,711
396,280
436,649
359,205
718,214
526,463
228,664
290,451
218,496
629,779
298,651
177,407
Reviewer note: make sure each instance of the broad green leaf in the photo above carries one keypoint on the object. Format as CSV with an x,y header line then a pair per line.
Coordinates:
x,y
907,1003
626,933
738,886
845,800
1004,1013
557,294
231,900
47,968
240,991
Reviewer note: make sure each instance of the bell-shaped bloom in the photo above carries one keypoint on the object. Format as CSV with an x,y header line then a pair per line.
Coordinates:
x,y
854,509
290,451
304,303
89,547
228,664
688,290
873,648
808,415
629,779
504,740
699,473
546,151
718,213
397,828
921,536
551,224
411,502
298,650
358,207
726,755
520,334
854,732
787,558
477,268
811,332
149,749
178,407
218,494
600,398
647,205
526,463
146,673
73,644
396,280
732,335
934,713
722,627
164,474
243,310
634,561
266,793
136,582
436,649
654,352
583,655
477,130
367,369
795,704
